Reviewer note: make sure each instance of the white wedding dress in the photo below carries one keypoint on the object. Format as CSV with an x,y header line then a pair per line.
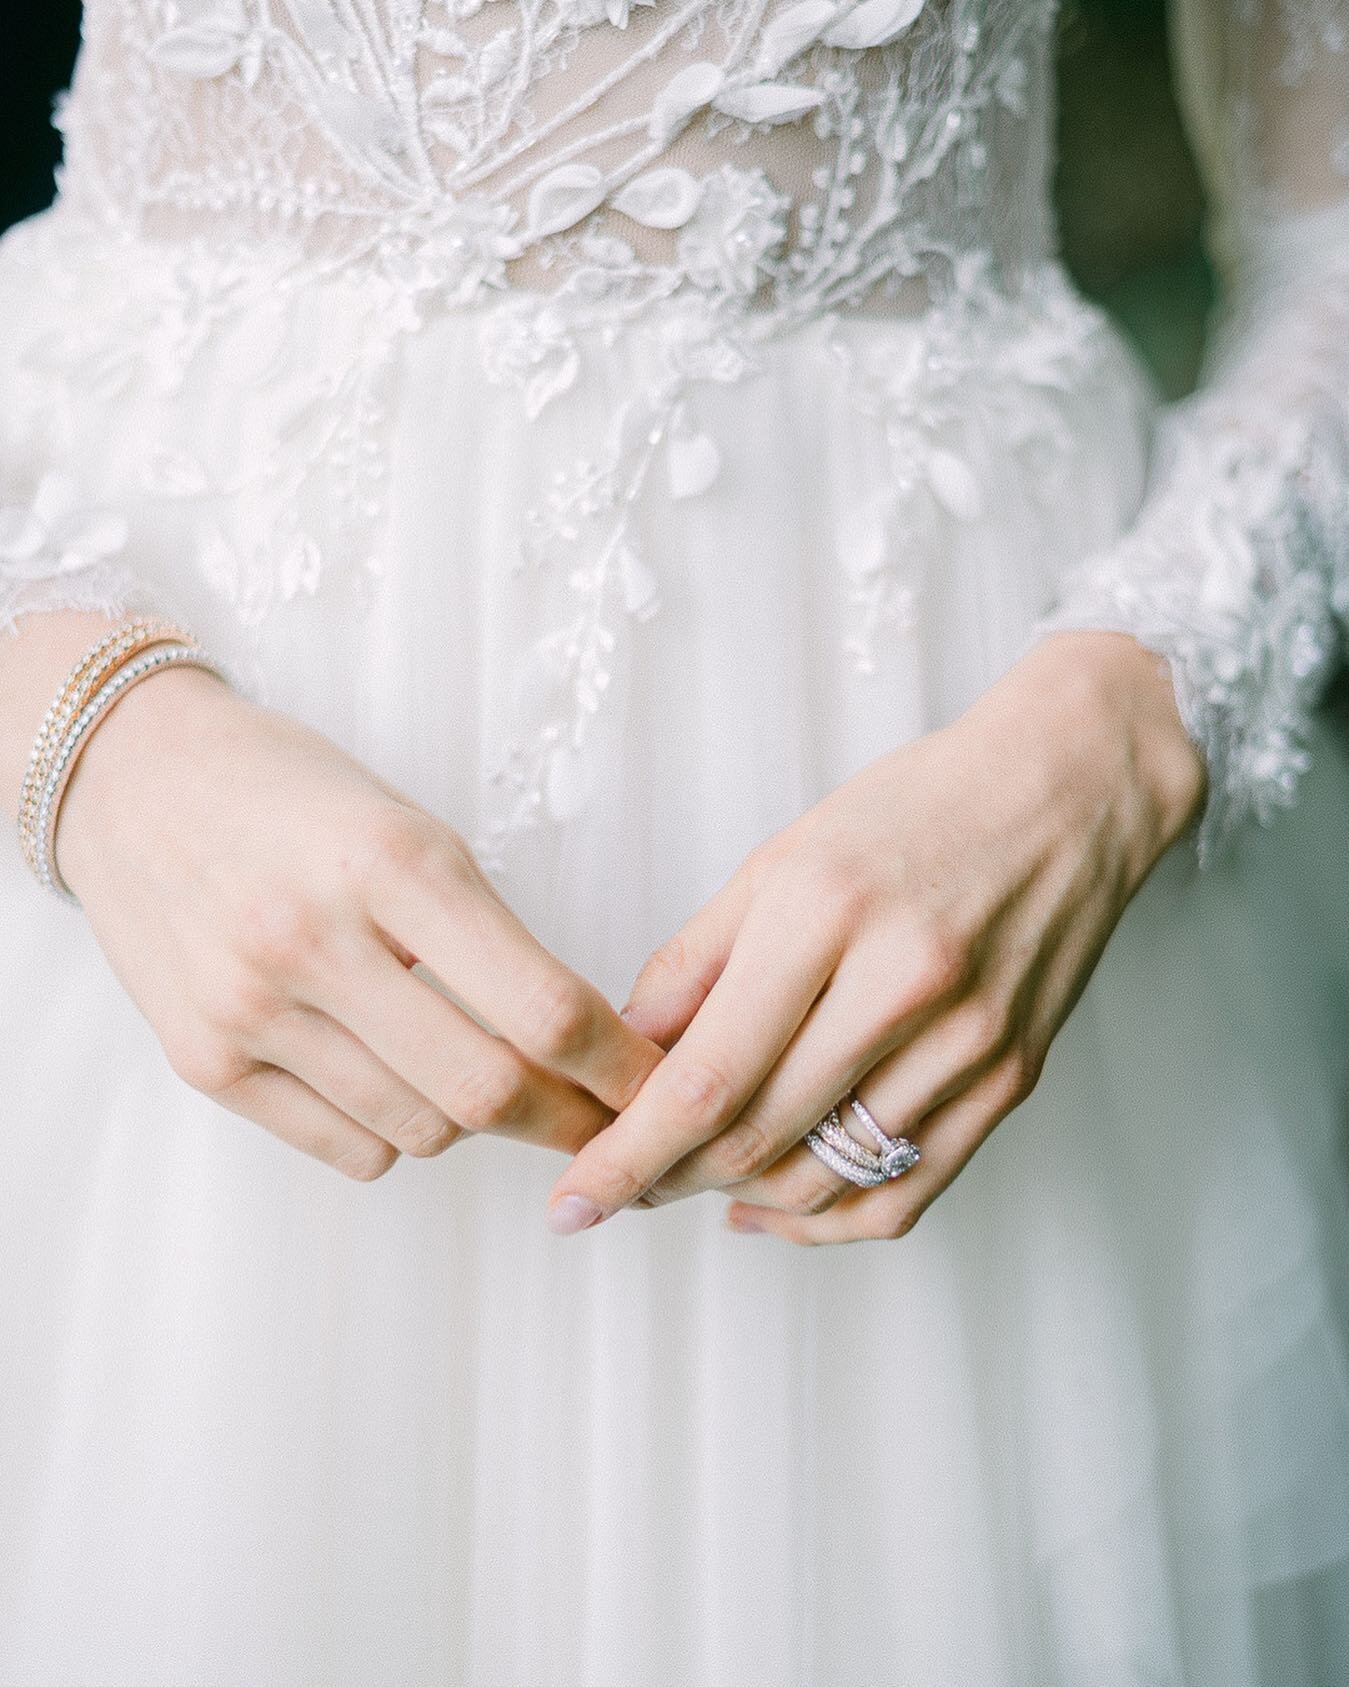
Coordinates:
x,y
617,421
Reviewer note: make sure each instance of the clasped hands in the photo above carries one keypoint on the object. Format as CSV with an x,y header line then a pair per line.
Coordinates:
x,y
920,935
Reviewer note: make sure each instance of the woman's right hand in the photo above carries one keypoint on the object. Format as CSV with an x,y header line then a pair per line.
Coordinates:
x,y
264,898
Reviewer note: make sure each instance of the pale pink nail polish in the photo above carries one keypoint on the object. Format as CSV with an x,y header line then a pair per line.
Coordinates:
x,y
573,1213
746,1224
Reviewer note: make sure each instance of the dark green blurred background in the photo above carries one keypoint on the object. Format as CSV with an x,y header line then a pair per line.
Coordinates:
x,y
1128,197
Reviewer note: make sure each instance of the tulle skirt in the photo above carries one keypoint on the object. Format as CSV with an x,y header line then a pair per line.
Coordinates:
x,y
1087,1426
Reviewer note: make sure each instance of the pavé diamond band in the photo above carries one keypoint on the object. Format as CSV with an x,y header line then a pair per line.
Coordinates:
x,y
832,1142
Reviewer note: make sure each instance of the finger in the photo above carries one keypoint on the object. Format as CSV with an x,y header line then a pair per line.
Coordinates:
x,y
749,1016
289,1109
477,1079
675,981
920,1050
945,1057
438,906
948,1138
339,1067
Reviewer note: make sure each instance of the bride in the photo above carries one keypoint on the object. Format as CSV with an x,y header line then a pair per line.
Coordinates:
x,y
506,498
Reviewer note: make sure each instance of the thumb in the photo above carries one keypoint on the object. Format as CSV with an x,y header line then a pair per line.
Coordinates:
x,y
675,981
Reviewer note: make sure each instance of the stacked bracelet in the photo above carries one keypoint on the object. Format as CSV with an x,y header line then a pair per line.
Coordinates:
x,y
81,682
95,684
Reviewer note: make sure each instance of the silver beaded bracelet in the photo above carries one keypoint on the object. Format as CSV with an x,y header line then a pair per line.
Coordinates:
x,y
99,663
77,734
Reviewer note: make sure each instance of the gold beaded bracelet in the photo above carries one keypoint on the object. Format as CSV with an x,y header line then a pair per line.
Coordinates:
x,y
83,680
129,674
66,726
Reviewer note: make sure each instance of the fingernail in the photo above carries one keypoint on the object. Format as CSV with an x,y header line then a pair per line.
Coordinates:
x,y
573,1213
635,1017
745,1223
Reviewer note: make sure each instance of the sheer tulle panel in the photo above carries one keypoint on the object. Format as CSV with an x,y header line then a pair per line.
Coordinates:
x,y
888,137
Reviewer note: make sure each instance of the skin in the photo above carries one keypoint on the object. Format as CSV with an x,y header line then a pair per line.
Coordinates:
x,y
920,935
264,899
352,982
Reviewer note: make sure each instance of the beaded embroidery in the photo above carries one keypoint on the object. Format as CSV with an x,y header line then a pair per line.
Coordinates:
x,y
698,179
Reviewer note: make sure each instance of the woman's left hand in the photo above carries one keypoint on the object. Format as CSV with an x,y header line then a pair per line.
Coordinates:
x,y
920,935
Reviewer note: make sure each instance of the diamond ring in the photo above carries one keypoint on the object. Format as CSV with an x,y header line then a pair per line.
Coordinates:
x,y
832,1142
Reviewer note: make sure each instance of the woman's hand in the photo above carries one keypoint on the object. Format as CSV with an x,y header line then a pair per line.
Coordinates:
x,y
921,934
263,898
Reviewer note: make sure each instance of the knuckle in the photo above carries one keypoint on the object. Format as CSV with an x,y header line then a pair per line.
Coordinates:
x,y
405,844
426,1133
762,863
835,890
492,1092
680,964
365,1162
988,1023
278,935
701,1091
247,1007
241,1004
889,1226
906,1221
1018,1076
396,839
560,1017
615,1185
812,1195
739,1153
937,960
208,1062
669,961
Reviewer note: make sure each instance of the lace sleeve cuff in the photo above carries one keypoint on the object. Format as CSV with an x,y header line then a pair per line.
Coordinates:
x,y
57,553
1236,573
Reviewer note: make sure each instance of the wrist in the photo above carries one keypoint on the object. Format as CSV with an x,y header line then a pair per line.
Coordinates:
x,y
1121,701
115,769
1170,763
34,660
1094,716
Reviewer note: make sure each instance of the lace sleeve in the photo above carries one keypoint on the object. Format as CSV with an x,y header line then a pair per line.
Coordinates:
x,y
56,552
1237,567
59,547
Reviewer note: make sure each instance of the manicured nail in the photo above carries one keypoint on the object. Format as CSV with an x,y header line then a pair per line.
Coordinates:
x,y
745,1223
573,1213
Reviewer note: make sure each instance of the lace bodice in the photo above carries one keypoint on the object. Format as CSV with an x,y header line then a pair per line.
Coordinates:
x,y
750,166
805,153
